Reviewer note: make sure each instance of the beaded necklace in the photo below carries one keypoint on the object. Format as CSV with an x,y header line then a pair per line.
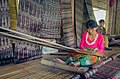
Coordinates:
x,y
91,42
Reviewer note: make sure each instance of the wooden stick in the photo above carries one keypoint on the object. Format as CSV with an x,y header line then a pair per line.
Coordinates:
x,y
65,67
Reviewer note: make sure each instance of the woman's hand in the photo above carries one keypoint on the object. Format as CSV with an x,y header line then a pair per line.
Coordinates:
x,y
97,53
95,50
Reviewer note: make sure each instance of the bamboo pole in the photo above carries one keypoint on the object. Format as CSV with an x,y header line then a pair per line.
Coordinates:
x,y
25,39
65,67
73,20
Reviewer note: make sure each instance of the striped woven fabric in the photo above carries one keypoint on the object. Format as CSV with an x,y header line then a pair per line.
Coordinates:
x,y
67,24
110,70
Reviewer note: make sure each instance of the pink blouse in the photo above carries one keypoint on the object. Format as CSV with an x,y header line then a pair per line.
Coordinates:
x,y
86,42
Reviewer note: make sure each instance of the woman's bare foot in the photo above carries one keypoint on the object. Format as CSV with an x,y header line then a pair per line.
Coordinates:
x,y
73,64
59,61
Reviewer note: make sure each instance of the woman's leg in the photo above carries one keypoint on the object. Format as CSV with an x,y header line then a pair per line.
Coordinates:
x,y
75,63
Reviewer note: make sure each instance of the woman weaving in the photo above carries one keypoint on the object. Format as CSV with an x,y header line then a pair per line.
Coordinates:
x,y
92,41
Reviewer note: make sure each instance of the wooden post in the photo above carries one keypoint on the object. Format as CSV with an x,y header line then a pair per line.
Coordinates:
x,y
73,20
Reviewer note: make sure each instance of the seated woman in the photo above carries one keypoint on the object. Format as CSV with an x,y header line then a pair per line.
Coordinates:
x,y
92,41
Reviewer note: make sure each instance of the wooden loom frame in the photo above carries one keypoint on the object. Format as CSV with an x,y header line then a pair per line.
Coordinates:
x,y
39,41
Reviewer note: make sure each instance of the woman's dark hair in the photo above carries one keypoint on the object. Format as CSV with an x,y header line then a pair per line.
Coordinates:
x,y
91,24
101,20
